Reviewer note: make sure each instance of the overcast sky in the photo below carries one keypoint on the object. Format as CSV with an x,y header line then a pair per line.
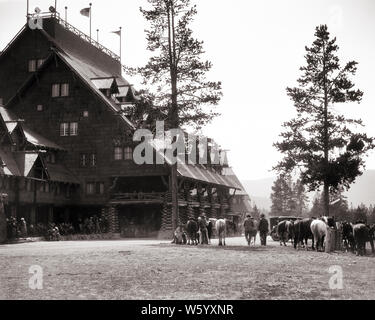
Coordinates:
x,y
256,48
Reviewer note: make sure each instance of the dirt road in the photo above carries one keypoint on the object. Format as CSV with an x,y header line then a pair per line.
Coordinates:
x,y
153,269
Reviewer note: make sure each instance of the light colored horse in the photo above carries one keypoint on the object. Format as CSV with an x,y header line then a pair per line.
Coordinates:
x,y
319,231
220,226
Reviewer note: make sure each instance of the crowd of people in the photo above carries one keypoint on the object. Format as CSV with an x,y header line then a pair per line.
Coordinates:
x,y
52,231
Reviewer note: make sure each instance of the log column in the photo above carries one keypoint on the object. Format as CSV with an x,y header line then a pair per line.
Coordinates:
x,y
166,230
111,213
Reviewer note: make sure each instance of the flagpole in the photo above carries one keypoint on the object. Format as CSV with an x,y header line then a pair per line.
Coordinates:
x,y
97,35
55,7
90,18
120,43
66,14
27,11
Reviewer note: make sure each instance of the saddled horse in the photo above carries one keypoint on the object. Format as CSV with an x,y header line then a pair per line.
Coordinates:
x,y
319,230
285,231
220,226
192,232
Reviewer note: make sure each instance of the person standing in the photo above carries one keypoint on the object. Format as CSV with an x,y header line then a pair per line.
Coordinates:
x,y
248,225
263,229
202,224
23,228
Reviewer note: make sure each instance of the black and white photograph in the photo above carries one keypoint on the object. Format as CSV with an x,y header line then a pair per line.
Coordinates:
x,y
200,152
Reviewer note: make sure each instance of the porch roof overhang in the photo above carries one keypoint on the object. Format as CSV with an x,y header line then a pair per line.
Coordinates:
x,y
202,174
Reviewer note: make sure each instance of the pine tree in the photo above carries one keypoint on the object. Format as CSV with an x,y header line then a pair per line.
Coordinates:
x,y
278,205
317,207
176,70
301,198
319,141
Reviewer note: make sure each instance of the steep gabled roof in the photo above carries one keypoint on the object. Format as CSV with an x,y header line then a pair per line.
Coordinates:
x,y
75,66
26,161
9,165
12,122
86,70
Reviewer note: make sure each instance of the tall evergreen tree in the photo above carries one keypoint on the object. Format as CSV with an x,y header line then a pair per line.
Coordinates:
x,y
278,205
319,141
177,72
300,198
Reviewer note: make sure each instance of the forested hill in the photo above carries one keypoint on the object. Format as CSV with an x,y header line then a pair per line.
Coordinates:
x,y
362,191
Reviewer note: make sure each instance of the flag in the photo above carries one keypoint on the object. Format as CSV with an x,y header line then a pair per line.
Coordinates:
x,y
117,32
85,12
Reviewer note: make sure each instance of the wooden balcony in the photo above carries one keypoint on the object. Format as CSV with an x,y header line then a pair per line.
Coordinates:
x,y
137,198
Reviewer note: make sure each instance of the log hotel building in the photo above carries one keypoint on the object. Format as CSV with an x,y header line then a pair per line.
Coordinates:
x,y
67,141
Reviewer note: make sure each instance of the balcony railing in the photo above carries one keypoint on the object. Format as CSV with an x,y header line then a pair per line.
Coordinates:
x,y
138,196
79,33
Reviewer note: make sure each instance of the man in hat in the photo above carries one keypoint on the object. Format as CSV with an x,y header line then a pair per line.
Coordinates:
x,y
263,229
202,224
248,225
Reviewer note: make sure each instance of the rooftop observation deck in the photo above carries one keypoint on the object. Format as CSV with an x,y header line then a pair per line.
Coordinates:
x,y
82,35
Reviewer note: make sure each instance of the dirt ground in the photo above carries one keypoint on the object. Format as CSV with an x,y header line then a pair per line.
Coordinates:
x,y
154,269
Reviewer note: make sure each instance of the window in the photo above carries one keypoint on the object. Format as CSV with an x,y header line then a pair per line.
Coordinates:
x,y
55,90
83,160
64,129
85,114
32,65
90,188
40,62
128,153
46,189
93,160
39,107
1,102
74,128
67,129
60,90
65,89
118,153
100,188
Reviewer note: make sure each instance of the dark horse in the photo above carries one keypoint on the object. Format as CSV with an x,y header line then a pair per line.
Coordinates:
x,y
302,232
362,234
192,231
348,236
